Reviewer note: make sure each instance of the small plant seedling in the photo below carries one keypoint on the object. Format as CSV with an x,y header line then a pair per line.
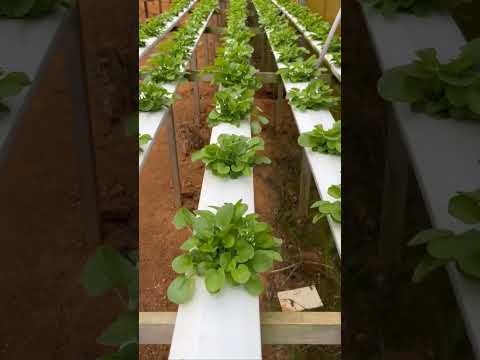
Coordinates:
x,y
317,95
451,89
329,208
233,156
300,70
226,246
11,84
288,53
227,73
153,97
143,139
109,271
164,68
232,105
444,246
323,141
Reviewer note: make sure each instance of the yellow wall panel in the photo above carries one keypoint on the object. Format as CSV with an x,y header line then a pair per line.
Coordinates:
x,y
326,8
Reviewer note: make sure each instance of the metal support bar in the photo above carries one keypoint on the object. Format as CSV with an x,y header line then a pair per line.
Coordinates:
x,y
264,77
278,106
82,129
315,328
196,90
305,185
172,144
145,6
327,43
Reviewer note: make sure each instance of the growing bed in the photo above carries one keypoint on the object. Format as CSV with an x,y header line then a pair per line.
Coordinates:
x,y
442,152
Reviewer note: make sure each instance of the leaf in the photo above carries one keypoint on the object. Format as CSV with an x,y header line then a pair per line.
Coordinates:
x,y
261,261
254,285
105,270
256,127
425,267
224,216
394,85
214,280
189,244
470,264
122,331
273,254
457,247
241,274
182,264
473,98
181,289
245,251
425,236
183,218
225,259
465,209
13,83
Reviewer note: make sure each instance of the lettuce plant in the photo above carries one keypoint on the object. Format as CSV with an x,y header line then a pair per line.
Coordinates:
x,y
164,68
284,37
109,272
300,70
232,105
317,95
233,156
11,84
451,89
330,208
153,97
444,246
229,73
226,246
335,50
323,141
288,53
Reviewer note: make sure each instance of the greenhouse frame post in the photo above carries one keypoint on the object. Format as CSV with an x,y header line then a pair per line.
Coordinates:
x,y
82,128
305,186
196,89
394,196
145,6
172,144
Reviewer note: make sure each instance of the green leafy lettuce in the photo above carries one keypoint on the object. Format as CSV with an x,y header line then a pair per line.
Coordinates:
x,y
323,141
153,97
317,95
444,246
448,90
233,156
330,208
232,105
300,70
226,246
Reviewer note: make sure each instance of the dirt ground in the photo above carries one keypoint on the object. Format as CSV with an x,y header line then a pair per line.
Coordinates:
x,y
276,198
